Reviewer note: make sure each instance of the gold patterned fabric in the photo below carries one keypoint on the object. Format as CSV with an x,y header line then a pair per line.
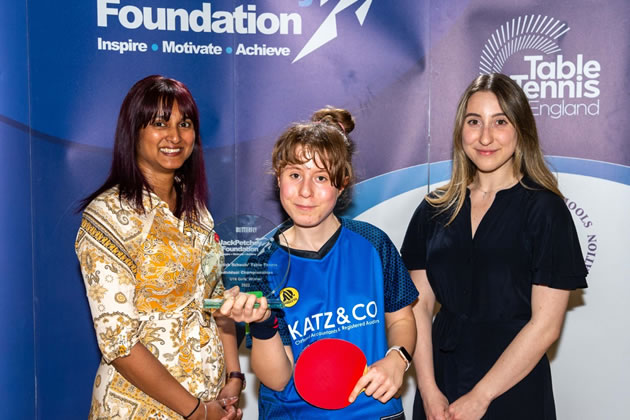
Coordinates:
x,y
143,278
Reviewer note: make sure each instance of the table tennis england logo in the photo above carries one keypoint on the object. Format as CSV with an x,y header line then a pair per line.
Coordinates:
x,y
244,19
558,84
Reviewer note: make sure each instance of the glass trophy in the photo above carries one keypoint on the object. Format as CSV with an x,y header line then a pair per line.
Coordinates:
x,y
254,258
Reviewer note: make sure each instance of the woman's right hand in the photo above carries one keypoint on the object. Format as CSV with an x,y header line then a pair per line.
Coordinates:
x,y
435,406
240,306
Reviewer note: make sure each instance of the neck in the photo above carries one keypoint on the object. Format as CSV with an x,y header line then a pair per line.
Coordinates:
x,y
490,183
164,187
312,238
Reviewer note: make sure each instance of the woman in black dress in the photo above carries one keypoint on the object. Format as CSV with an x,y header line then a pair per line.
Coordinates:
x,y
497,248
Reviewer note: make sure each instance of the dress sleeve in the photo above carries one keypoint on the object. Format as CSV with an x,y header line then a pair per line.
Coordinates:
x,y
108,275
211,249
414,247
556,257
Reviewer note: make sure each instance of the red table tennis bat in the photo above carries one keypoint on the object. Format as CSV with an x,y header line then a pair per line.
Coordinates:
x,y
327,371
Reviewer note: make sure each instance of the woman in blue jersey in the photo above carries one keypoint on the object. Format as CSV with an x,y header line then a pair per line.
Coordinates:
x,y
347,281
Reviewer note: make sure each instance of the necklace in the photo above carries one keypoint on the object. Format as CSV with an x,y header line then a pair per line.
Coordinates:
x,y
494,191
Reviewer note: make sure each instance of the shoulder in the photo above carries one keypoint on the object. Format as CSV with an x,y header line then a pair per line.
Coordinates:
x,y
427,213
112,215
364,229
542,203
378,239
110,201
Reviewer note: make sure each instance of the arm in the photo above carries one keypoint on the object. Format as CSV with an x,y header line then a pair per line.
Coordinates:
x,y
227,334
521,356
385,376
434,401
272,362
145,372
117,326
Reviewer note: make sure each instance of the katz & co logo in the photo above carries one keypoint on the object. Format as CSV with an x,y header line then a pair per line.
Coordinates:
x,y
557,86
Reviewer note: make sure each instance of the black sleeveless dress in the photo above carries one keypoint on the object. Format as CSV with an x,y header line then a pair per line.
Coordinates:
x,y
484,284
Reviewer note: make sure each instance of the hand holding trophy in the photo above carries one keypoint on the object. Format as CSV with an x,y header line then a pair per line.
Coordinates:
x,y
251,264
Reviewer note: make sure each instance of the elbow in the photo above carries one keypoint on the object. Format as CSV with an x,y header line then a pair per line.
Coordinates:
x,y
554,334
278,387
275,382
273,376
549,335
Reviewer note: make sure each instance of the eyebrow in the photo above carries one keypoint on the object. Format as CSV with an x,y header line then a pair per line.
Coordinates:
x,y
474,114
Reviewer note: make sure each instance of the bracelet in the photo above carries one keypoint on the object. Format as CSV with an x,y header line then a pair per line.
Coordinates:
x,y
402,352
194,409
266,329
238,375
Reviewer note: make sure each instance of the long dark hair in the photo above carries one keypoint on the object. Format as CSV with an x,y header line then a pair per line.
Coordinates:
x,y
146,99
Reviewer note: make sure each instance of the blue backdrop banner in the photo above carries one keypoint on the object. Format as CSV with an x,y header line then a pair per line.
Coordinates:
x,y
256,66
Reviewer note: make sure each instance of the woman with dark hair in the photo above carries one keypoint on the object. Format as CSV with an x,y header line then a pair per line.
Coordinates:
x,y
337,264
140,244
497,248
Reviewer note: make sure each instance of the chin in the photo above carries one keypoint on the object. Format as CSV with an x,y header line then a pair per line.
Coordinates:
x,y
305,223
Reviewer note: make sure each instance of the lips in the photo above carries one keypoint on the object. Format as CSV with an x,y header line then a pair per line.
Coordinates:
x,y
486,152
170,151
303,208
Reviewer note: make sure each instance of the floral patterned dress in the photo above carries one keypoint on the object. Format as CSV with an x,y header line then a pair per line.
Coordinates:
x,y
144,284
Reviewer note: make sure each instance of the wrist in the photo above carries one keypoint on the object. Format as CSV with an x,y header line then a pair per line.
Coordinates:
x,y
402,354
191,414
264,330
482,394
238,376
201,413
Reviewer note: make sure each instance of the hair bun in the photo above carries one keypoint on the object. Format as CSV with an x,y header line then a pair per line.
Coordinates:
x,y
339,117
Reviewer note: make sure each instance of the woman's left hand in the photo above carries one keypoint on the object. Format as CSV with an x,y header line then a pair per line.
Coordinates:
x,y
240,306
232,388
382,380
469,406
221,409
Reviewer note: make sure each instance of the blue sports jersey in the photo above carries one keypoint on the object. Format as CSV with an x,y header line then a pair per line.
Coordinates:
x,y
341,291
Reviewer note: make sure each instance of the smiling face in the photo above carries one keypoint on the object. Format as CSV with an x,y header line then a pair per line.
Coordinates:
x,y
164,145
488,138
307,194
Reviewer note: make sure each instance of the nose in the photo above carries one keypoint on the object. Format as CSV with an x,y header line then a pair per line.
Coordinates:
x,y
486,135
306,189
172,134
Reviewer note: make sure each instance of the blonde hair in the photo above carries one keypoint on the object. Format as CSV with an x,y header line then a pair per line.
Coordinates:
x,y
528,157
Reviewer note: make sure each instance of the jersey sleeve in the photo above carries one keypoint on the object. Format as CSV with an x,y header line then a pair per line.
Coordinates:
x,y
556,257
414,247
399,289
108,275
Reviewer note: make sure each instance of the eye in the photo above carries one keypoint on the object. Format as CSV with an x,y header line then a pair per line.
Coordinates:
x,y
502,121
321,178
294,175
186,124
158,123
472,122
